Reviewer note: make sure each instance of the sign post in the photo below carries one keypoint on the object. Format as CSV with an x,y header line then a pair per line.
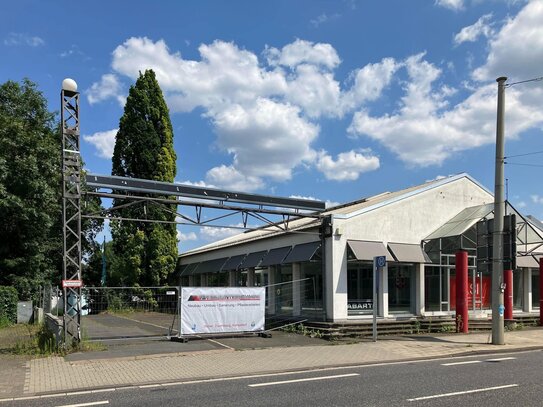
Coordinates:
x,y
378,263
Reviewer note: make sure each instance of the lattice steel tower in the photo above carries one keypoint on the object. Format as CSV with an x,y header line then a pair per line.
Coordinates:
x,y
71,211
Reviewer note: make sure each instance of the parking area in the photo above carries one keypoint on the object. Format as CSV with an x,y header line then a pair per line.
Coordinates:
x,y
136,335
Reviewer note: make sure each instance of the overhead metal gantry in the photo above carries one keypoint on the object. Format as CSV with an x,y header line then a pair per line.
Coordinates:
x,y
133,192
147,192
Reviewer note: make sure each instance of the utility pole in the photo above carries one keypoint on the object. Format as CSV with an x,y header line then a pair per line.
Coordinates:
x,y
497,235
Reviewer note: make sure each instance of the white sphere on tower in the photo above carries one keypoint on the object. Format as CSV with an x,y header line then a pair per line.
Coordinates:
x,y
69,85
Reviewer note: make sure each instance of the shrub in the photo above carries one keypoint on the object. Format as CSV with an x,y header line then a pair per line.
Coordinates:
x,y
8,304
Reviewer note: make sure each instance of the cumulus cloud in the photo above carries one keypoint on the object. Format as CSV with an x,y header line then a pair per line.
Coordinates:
x,y
537,199
348,166
14,39
426,130
103,141
472,32
185,237
328,203
212,234
516,50
263,112
451,4
108,86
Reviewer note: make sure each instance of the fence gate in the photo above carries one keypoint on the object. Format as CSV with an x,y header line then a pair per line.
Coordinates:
x,y
129,312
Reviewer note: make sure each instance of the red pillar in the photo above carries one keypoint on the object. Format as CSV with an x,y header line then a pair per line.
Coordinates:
x,y
508,294
462,291
540,291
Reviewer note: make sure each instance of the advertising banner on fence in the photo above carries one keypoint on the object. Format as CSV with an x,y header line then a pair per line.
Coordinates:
x,y
206,310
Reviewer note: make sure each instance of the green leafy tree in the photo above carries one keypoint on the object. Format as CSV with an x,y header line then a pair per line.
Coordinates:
x,y
30,206
146,252
30,192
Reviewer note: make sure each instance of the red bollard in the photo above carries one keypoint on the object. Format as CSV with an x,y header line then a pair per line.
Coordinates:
x,y
508,294
540,291
462,291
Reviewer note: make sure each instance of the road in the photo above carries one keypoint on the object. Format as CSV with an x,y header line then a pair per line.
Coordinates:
x,y
484,380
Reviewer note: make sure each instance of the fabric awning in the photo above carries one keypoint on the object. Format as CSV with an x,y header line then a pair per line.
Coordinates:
x,y
233,262
211,266
527,261
408,253
275,256
367,250
253,259
189,269
302,252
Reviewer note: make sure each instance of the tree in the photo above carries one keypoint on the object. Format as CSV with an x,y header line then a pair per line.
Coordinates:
x,y
30,192
146,253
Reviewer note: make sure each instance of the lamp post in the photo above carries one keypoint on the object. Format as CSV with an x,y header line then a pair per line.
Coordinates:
x,y
497,235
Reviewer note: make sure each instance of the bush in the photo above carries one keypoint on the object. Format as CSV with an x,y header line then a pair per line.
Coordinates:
x,y
8,304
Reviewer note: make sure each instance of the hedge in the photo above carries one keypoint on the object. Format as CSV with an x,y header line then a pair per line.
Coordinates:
x,y
8,303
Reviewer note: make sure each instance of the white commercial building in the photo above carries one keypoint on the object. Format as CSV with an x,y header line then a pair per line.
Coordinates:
x,y
322,268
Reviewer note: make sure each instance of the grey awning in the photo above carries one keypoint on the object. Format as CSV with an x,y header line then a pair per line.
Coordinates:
x,y
408,253
527,261
302,252
189,269
253,259
367,250
233,262
275,256
211,266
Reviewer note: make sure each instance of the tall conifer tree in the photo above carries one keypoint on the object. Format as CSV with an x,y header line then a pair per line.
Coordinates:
x,y
146,252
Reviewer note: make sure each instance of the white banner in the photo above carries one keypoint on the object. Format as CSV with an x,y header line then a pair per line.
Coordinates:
x,y
207,310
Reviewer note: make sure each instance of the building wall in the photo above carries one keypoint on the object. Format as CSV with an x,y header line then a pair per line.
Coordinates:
x,y
407,220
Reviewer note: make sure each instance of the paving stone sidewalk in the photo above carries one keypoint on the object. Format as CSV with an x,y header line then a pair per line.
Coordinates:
x,y
55,374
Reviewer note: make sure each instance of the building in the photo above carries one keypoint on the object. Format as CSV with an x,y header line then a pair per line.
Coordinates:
x,y
323,268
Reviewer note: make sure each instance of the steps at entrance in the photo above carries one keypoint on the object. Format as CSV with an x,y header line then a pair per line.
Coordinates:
x,y
364,329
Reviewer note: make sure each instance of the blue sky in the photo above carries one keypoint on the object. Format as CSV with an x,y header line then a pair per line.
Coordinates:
x,y
335,100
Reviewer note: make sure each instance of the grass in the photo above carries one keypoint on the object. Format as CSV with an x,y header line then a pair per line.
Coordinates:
x,y
37,340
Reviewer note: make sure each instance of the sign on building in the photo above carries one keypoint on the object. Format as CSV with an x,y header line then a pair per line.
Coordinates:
x,y
206,310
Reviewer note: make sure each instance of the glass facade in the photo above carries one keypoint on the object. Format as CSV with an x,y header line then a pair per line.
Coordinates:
x,y
359,288
535,288
401,287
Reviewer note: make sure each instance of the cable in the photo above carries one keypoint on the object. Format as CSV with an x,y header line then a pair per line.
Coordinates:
x,y
525,165
522,155
508,85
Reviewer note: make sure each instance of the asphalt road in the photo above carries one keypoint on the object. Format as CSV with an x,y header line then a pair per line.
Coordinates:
x,y
485,380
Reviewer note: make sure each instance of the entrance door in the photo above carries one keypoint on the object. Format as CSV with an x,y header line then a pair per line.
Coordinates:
x,y
436,288
400,287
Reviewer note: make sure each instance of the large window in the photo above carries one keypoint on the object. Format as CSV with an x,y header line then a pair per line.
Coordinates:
x,y
359,288
400,287
311,286
535,288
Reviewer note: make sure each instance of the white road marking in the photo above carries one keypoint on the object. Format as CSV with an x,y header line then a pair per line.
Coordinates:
x,y
499,359
92,403
308,379
467,362
460,393
220,344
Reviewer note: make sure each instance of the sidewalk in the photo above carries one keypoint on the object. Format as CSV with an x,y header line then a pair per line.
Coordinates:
x,y
55,374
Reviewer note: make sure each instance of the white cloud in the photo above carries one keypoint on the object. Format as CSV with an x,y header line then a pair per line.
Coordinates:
x,y
521,204
303,52
328,203
185,237
517,49
212,234
324,18
426,130
348,166
537,199
474,31
15,39
263,114
266,139
369,82
202,184
451,4
230,178
103,141
109,86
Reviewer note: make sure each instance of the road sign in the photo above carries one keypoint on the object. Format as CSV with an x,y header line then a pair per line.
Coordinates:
x,y
381,261
72,283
